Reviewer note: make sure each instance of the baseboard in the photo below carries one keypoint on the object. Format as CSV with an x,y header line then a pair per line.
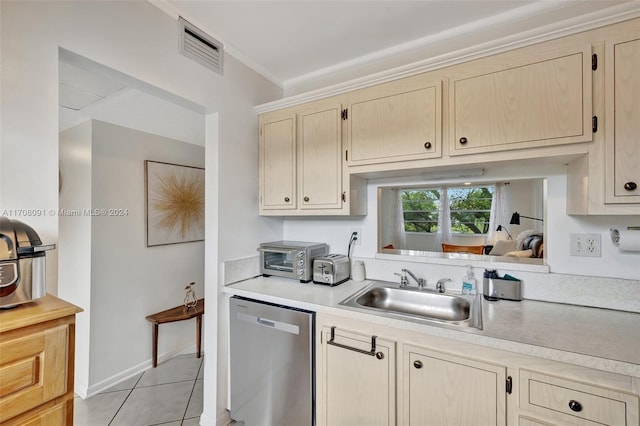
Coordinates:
x,y
224,418
80,389
207,421
85,392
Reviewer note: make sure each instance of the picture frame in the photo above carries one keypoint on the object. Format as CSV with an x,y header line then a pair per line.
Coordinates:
x,y
174,203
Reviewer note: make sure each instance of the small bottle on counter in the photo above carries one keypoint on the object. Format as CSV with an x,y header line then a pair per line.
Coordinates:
x,y
469,283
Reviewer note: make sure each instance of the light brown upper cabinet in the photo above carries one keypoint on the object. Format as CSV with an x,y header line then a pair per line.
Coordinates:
x,y
524,99
396,121
277,153
320,165
622,114
301,162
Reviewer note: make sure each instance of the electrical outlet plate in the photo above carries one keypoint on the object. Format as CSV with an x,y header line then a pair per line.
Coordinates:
x,y
359,232
585,245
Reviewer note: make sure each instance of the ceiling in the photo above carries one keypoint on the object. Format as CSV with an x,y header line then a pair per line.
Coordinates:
x,y
293,42
290,41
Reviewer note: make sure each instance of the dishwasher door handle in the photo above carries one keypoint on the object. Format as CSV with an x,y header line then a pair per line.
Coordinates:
x,y
273,324
265,322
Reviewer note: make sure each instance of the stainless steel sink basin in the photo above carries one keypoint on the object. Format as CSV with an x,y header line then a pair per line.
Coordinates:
x,y
389,299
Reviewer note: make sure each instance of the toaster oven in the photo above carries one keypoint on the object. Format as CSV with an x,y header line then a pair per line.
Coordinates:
x,y
290,259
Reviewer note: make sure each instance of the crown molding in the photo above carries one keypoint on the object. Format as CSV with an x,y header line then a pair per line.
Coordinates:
x,y
553,31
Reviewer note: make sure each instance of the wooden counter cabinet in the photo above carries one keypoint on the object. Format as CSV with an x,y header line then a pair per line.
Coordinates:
x,y
37,342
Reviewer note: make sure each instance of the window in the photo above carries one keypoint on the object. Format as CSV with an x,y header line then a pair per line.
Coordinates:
x,y
468,207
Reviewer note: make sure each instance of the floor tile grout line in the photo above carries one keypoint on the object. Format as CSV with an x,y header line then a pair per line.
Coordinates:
x,y
195,381
184,415
137,386
127,398
166,383
120,408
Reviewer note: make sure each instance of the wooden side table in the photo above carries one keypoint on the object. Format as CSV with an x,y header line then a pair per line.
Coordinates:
x,y
179,313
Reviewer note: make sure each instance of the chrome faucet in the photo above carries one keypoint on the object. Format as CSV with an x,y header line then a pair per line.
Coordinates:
x,y
421,281
440,285
403,278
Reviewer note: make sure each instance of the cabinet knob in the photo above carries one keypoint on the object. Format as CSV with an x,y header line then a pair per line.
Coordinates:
x,y
286,199
463,141
417,364
630,186
575,406
427,145
306,199
379,355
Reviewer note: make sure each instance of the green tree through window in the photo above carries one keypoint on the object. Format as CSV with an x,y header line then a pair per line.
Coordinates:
x,y
469,209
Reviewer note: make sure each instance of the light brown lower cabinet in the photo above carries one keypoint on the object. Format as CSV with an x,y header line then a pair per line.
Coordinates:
x,y
358,383
570,402
372,374
36,363
445,389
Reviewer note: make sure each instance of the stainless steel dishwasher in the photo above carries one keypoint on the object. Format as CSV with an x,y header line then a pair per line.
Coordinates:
x,y
272,363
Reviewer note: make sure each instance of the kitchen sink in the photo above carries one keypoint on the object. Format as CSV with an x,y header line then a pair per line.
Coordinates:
x,y
389,299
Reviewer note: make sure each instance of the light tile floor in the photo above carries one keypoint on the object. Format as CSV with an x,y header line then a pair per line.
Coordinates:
x,y
169,395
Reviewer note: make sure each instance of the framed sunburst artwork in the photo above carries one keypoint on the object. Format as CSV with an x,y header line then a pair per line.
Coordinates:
x,y
174,203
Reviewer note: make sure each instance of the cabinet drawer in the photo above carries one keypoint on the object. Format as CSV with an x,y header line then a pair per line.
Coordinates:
x,y
33,370
574,402
58,413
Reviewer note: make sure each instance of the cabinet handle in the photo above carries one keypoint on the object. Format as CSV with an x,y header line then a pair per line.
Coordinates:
x,y
463,141
286,199
372,352
630,186
427,145
306,199
417,364
575,406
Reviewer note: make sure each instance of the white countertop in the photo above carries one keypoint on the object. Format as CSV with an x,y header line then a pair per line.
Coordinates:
x,y
597,338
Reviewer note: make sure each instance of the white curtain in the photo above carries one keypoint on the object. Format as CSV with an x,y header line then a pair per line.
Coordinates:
x,y
500,214
444,220
397,236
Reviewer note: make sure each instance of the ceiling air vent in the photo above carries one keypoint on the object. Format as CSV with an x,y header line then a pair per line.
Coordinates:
x,y
201,47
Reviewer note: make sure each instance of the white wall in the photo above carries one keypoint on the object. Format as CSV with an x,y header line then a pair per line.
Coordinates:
x,y
135,38
124,282
130,280
74,242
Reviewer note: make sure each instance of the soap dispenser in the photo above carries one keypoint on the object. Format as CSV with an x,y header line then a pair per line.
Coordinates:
x,y
469,282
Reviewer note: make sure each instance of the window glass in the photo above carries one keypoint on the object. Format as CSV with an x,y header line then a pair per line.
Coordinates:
x,y
469,209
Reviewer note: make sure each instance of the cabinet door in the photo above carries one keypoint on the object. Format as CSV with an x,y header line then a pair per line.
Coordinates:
x,y
395,123
525,104
443,390
320,174
358,388
622,93
277,161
